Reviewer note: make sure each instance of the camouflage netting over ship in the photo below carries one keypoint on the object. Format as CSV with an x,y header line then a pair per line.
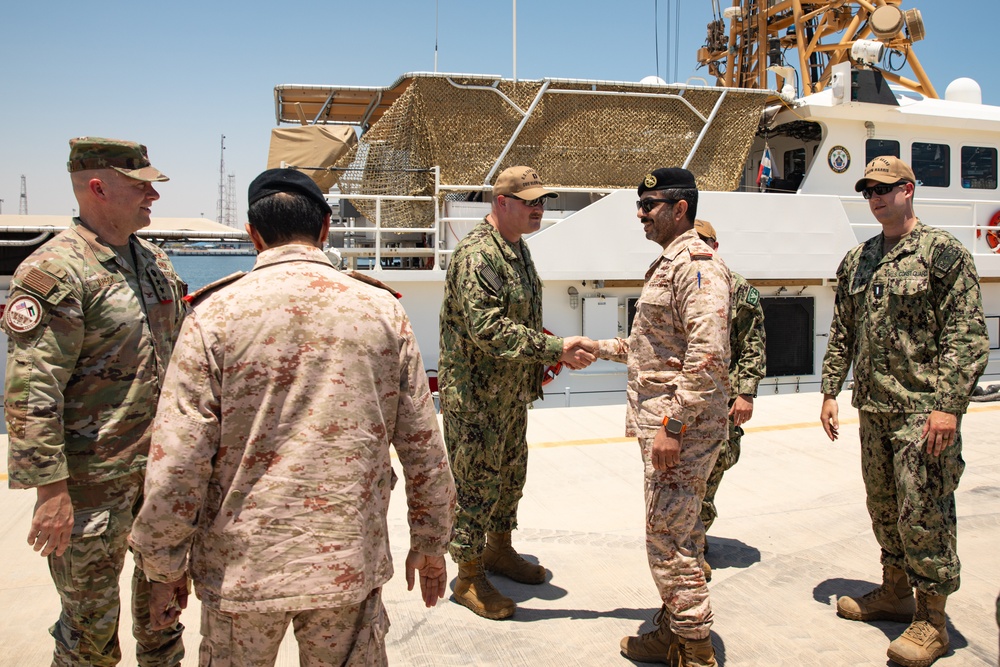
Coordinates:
x,y
579,139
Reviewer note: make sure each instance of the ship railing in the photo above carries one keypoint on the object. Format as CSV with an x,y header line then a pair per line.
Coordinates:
x,y
385,254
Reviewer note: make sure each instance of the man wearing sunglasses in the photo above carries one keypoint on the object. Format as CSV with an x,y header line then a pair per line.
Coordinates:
x,y
493,354
909,317
678,359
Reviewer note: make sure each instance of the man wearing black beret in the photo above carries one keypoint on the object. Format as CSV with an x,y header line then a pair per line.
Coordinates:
x,y
678,358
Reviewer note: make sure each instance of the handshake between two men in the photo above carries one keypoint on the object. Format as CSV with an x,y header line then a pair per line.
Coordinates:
x,y
578,352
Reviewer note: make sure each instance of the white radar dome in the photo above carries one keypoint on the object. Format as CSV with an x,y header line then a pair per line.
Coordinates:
x,y
653,80
964,90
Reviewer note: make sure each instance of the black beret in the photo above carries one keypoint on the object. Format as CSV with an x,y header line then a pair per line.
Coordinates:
x,y
668,178
274,181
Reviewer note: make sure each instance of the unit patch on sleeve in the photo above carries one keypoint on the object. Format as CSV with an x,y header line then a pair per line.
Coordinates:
x,y
23,314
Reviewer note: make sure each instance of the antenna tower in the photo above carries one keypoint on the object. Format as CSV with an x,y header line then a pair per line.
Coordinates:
x,y
220,218
23,207
231,201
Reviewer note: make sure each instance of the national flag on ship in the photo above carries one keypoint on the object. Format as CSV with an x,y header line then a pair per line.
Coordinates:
x,y
764,173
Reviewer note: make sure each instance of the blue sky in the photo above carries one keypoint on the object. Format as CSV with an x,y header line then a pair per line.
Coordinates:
x,y
177,75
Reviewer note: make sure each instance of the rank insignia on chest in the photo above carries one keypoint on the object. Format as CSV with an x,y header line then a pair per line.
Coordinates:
x,y
877,289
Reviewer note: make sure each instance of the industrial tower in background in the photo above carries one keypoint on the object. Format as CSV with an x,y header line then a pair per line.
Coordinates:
x,y
227,191
23,206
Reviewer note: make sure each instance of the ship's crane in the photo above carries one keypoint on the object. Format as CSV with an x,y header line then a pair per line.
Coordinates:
x,y
876,33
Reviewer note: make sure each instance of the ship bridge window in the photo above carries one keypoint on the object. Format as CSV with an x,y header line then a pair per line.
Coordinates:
x,y
878,147
979,168
930,164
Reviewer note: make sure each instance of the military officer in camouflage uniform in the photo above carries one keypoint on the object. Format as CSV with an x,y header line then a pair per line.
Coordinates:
x,y
678,387
909,317
91,319
493,354
271,473
747,367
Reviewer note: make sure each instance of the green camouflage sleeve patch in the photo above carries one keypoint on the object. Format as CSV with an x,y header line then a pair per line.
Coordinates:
x,y
753,296
945,260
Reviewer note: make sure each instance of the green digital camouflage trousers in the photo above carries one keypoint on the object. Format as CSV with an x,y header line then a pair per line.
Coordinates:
x,y
489,459
352,636
86,577
911,498
728,456
674,534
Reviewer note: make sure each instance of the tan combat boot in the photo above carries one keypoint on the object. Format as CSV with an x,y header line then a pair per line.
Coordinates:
x,y
926,639
499,557
655,646
706,568
892,601
695,652
474,590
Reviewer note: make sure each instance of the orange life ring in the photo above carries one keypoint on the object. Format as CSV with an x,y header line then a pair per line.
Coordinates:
x,y
550,372
992,233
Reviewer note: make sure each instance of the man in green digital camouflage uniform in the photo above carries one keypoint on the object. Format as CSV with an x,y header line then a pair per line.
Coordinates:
x,y
909,317
91,318
747,367
493,355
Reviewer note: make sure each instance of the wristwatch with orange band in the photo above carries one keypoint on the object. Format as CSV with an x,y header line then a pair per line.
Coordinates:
x,y
674,426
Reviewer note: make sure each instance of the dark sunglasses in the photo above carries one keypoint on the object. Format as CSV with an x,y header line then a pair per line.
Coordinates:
x,y
532,203
648,205
881,189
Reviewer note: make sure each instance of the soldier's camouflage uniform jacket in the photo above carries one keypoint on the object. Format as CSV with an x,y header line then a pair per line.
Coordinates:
x,y
912,324
492,345
678,350
86,358
746,339
270,459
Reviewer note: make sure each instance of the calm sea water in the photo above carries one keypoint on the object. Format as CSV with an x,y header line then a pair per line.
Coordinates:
x,y
199,270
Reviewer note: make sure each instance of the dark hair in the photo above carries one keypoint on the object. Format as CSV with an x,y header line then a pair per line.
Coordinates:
x,y
690,195
287,216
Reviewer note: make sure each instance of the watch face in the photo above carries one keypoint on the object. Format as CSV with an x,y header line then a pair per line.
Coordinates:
x,y
674,426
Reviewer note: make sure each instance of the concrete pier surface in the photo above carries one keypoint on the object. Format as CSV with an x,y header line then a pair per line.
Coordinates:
x,y
792,535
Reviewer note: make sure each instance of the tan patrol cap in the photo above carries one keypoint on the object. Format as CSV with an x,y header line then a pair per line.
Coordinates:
x,y
521,181
125,157
886,169
705,229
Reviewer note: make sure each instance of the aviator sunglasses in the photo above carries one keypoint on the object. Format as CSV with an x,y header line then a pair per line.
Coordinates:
x,y
648,205
531,203
881,189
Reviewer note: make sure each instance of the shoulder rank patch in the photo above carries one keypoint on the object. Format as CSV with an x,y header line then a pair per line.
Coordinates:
x,y
23,314
753,296
374,282
700,255
945,260
199,294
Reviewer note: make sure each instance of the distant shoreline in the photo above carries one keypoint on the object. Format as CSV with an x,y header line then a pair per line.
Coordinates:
x,y
210,251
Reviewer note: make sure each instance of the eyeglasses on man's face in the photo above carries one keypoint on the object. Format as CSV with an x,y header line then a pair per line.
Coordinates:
x,y
531,203
650,203
882,189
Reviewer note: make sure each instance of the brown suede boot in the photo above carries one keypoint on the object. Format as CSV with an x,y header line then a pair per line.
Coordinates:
x,y
655,646
892,601
926,639
695,652
706,568
474,590
499,557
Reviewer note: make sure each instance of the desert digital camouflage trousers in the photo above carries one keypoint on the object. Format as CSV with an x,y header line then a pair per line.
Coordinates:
x,y
673,502
911,498
728,456
489,459
86,577
352,636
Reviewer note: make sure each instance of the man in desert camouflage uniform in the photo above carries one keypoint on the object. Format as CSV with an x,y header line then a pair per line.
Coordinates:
x,y
747,367
493,354
91,319
270,474
677,356
909,317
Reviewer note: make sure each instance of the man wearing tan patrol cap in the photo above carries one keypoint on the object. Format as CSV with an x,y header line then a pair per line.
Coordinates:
x,y
493,354
909,317
92,317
